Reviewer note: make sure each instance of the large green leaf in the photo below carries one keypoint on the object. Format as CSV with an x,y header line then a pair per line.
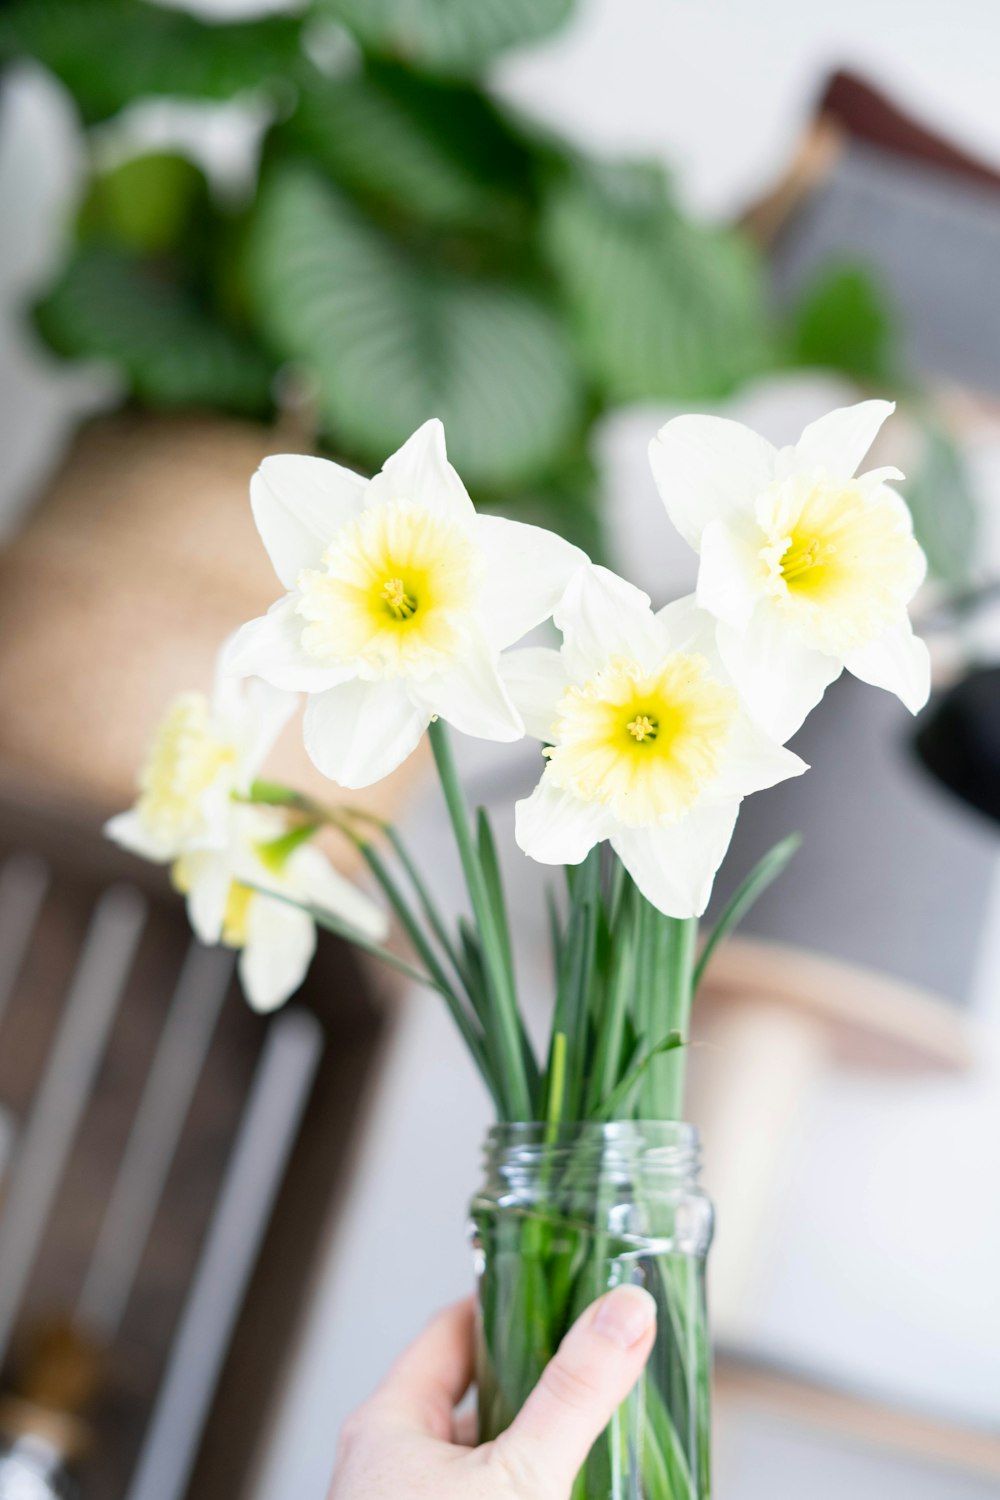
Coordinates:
x,y
109,305
844,322
109,52
663,308
453,37
391,339
440,152
152,204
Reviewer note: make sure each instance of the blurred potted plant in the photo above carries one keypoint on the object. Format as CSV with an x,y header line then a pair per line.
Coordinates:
x,y
408,246
411,246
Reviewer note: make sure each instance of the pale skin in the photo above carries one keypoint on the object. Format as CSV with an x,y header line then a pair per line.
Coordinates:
x,y
408,1442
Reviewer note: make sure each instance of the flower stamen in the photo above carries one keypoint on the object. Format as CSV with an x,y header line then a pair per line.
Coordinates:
x,y
400,604
797,561
642,728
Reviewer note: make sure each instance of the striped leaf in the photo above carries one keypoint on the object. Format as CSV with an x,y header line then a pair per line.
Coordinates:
x,y
109,52
453,37
170,351
664,308
391,339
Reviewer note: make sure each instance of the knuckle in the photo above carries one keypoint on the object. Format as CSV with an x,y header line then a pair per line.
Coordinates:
x,y
571,1385
354,1430
514,1469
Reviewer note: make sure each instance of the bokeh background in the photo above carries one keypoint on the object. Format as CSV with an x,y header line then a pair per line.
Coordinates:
x,y
235,229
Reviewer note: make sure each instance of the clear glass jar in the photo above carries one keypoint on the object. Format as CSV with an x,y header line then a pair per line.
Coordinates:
x,y
561,1219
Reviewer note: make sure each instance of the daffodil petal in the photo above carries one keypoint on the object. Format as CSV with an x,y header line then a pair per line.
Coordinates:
x,y
674,866
601,616
838,442
298,504
753,761
281,941
419,474
687,627
876,479
527,570
536,679
250,713
271,647
707,468
208,880
319,884
897,661
129,831
358,732
472,697
266,711
556,828
729,577
779,679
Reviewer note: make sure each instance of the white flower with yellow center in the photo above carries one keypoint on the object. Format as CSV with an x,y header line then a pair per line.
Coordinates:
x,y
400,599
647,743
807,568
227,901
204,752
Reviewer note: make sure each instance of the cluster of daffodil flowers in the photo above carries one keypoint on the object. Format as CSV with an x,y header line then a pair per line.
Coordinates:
x,y
403,612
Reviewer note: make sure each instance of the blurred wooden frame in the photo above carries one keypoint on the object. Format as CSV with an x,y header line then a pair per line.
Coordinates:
x,y
743,1385
769,1024
771,1021
850,109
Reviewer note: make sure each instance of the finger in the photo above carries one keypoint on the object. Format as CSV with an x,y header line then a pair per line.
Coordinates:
x,y
430,1378
592,1372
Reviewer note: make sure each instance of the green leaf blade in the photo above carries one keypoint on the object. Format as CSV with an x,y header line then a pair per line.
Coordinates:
x,y
170,350
663,308
111,52
764,873
439,153
452,38
390,340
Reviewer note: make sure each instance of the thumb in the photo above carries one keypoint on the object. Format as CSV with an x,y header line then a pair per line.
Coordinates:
x,y
592,1372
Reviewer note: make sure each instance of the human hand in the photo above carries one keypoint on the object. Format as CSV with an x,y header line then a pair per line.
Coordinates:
x,y
406,1441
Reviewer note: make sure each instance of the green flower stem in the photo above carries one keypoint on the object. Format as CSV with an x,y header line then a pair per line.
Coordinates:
x,y
764,872
610,1021
331,923
556,1085
497,968
430,910
672,977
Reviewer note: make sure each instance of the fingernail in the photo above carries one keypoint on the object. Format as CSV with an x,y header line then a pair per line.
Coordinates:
x,y
625,1316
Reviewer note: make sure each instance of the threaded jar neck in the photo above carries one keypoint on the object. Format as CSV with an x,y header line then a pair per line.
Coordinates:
x,y
663,1155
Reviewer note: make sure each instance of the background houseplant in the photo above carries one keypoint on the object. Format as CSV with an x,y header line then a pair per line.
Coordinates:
x,y
401,245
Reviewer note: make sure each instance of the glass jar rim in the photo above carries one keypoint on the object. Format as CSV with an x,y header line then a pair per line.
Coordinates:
x,y
678,1133
613,1149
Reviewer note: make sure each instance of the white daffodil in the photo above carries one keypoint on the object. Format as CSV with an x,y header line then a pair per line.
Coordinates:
x,y
648,744
400,599
807,568
203,753
277,939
